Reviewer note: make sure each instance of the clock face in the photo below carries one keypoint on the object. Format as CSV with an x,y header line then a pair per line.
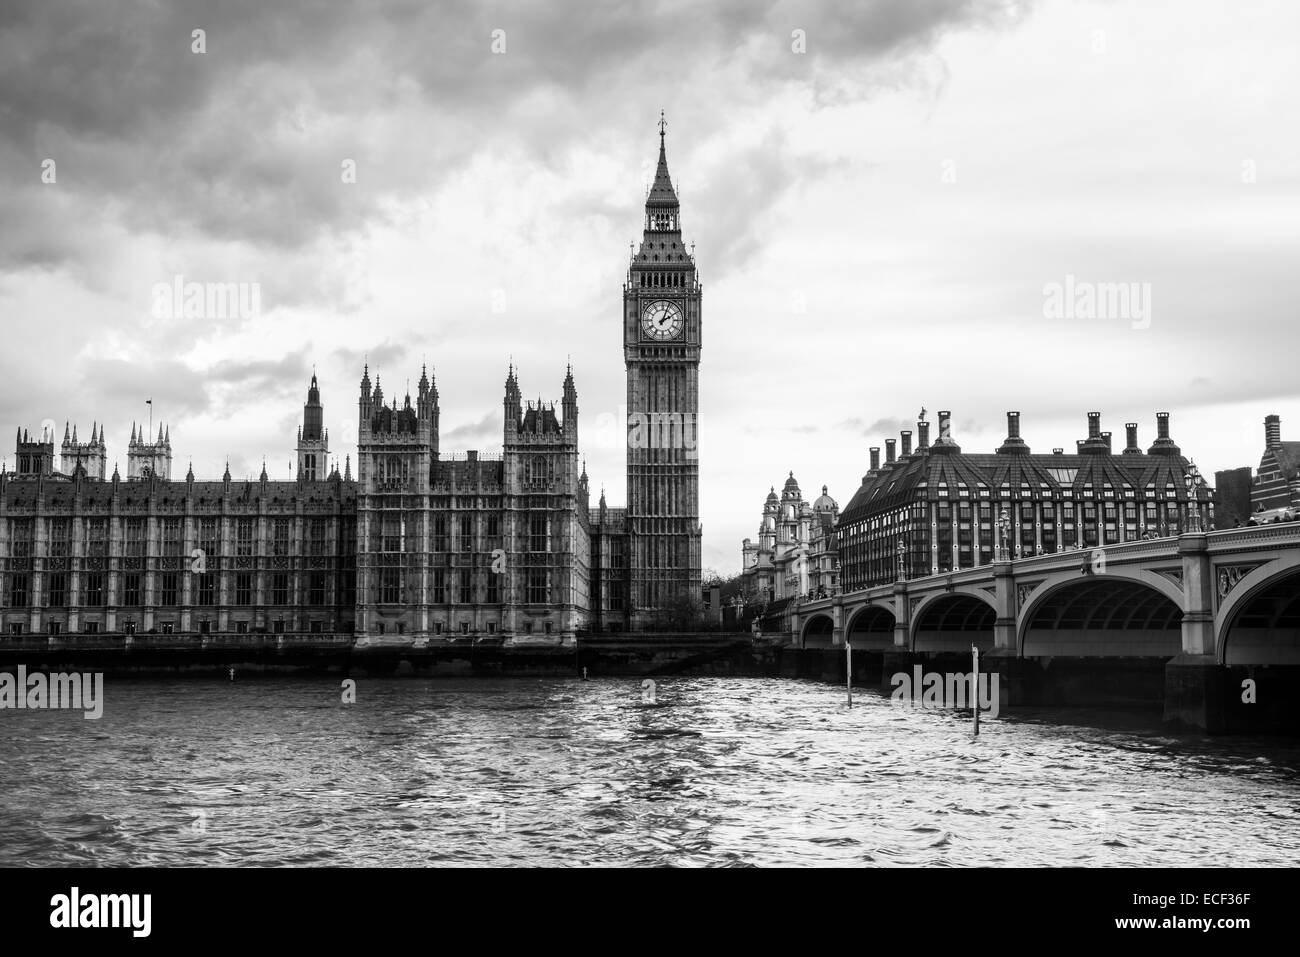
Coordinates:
x,y
662,320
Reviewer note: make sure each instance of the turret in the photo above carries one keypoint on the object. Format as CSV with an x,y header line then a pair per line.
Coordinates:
x,y
569,407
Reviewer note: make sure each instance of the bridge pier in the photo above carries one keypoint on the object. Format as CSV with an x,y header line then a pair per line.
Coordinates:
x,y
1194,679
1195,694
1021,681
896,662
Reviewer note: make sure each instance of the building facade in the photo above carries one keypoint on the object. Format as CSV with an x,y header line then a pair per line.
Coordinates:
x,y
425,544
795,554
935,508
1277,480
85,555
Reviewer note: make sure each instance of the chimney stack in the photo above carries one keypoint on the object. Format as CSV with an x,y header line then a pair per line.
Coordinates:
x,y
1058,451
1163,444
1013,441
1106,437
1131,445
1272,432
945,442
922,435
1095,442
889,451
875,458
907,442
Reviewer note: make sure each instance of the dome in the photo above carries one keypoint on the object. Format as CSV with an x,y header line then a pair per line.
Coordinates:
x,y
771,495
825,503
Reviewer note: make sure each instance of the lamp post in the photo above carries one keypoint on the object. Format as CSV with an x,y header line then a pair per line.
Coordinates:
x,y
1191,480
1004,530
901,551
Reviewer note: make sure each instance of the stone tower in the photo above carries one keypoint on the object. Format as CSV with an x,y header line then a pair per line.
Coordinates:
x,y
90,456
543,481
661,348
145,458
396,449
313,438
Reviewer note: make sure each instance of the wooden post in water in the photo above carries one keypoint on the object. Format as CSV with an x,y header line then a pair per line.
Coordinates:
x,y
975,684
848,666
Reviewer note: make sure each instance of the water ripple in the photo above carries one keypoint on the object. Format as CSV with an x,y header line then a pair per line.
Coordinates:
x,y
720,772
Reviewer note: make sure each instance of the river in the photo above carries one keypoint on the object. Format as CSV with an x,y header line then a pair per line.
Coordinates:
x,y
713,771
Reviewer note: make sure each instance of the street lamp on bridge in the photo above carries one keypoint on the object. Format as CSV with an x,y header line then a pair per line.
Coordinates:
x,y
1004,536
1192,479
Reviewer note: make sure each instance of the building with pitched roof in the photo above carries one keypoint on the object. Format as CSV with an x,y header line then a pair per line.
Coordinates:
x,y
937,508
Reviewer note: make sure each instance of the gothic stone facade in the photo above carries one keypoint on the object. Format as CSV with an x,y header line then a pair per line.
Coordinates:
x,y
423,545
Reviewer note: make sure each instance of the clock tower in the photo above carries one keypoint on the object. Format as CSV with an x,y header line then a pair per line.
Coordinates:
x,y
661,347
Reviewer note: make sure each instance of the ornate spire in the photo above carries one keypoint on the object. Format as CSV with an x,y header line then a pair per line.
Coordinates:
x,y
662,195
226,476
347,468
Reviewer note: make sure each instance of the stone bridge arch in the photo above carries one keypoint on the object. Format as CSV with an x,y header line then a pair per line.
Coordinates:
x,y
818,631
953,621
1258,622
871,626
1127,613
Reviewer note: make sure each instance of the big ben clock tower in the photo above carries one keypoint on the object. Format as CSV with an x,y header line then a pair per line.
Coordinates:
x,y
661,346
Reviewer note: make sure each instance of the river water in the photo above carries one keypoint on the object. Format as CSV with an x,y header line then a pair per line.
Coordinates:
x,y
713,771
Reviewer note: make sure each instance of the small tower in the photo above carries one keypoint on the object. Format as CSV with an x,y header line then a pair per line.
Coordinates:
x,y
91,456
34,456
145,459
313,438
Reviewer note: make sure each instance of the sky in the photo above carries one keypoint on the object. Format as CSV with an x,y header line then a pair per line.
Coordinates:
x,y
896,205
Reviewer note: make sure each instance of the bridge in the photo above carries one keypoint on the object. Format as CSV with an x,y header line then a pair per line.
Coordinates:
x,y
1207,607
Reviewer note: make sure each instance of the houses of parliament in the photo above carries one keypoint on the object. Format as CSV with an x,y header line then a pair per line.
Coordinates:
x,y
421,544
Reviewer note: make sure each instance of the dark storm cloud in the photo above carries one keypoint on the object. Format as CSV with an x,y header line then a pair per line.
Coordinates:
x,y
258,376
245,141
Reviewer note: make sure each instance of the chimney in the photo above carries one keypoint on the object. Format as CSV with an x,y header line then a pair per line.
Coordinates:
x,y
1163,444
1131,444
907,442
875,458
1013,442
1095,442
1106,437
945,441
922,435
889,451
1272,432
1058,451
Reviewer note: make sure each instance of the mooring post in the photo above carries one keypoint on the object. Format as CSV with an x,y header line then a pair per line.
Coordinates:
x,y
975,684
848,666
